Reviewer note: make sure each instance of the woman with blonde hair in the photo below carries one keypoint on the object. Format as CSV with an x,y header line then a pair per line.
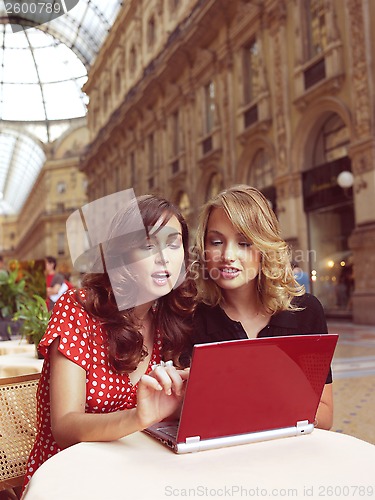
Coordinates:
x,y
245,281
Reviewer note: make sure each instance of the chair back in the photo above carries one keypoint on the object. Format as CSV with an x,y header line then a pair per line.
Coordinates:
x,y
17,427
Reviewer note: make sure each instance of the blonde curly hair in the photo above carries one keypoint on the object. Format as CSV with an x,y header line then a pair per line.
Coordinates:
x,y
252,216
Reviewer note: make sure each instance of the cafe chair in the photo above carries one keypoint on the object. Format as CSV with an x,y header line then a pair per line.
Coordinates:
x,y
17,428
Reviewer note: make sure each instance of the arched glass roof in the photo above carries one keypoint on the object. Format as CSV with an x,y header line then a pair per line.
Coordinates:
x,y
21,159
42,71
41,78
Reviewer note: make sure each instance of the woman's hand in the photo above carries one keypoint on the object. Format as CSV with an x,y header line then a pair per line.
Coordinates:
x,y
71,424
160,394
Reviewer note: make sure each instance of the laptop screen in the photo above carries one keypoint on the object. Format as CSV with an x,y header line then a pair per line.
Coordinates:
x,y
252,385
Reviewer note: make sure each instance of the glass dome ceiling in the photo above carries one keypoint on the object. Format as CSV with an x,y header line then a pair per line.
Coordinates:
x,y
21,159
42,71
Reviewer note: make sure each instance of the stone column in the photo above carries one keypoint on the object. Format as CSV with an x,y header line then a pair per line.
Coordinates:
x,y
362,240
362,153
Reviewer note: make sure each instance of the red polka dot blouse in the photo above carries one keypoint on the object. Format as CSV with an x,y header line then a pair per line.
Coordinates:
x,y
83,341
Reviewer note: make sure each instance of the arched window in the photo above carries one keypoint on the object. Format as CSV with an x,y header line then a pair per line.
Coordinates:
x,y
210,107
118,82
215,185
251,71
151,32
184,203
261,175
316,30
332,141
132,59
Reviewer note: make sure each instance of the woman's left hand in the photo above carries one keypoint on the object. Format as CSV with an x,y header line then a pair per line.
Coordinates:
x,y
159,394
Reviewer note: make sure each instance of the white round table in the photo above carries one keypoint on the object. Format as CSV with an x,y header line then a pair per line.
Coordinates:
x,y
20,363
321,465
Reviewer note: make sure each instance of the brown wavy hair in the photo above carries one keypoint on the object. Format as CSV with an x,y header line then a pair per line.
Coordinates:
x,y
251,214
172,313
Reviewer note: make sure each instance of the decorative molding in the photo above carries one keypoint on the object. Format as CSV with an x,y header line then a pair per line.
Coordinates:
x,y
362,154
275,15
213,157
279,103
260,127
328,86
361,92
288,186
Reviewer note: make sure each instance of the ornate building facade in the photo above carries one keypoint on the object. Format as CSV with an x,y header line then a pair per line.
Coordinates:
x,y
40,228
189,97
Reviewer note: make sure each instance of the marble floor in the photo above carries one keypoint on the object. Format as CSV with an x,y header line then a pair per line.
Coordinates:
x,y
353,370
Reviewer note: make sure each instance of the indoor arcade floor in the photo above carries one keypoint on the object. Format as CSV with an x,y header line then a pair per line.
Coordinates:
x,y
353,370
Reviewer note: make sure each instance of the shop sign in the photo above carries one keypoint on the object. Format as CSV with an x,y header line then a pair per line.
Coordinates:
x,y
320,188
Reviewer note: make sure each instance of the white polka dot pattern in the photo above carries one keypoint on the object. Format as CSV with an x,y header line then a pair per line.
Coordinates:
x,y
83,341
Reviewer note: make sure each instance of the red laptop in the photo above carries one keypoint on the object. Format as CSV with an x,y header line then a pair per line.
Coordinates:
x,y
250,390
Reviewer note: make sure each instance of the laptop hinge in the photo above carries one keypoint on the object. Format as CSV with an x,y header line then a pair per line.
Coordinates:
x,y
192,439
302,425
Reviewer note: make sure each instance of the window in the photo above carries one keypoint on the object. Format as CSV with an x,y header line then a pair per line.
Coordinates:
x,y
261,173
61,243
261,176
151,153
184,203
106,99
132,60
132,169
151,32
214,186
251,71
175,134
316,27
118,82
175,141
332,142
61,187
209,96
174,4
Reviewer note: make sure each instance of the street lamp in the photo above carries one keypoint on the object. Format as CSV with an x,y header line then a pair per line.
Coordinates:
x,y
345,179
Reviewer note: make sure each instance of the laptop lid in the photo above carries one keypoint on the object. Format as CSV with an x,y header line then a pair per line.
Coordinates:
x,y
252,385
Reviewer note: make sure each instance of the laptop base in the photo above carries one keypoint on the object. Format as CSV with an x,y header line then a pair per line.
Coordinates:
x,y
194,443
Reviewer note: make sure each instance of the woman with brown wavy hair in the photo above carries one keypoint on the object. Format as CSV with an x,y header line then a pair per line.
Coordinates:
x,y
117,343
245,280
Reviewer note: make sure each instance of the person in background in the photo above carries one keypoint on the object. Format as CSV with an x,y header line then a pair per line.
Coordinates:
x,y
54,281
127,327
301,276
245,280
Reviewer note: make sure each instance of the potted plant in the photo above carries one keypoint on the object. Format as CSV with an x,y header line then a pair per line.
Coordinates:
x,y
12,294
34,315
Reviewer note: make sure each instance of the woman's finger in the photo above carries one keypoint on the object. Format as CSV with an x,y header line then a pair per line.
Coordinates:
x,y
161,374
150,383
169,378
177,381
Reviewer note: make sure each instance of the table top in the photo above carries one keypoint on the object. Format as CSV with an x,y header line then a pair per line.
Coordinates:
x,y
136,467
15,346
17,357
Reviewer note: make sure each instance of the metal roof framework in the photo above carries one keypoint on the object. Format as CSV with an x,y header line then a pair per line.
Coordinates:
x,y
42,71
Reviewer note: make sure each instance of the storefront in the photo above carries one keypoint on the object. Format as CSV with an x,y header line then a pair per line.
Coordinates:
x,y
330,217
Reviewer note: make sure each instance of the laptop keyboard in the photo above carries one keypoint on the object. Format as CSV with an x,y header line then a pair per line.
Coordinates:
x,y
170,430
